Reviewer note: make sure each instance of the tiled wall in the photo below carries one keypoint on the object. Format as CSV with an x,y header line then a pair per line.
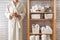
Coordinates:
x,y
58,19
4,22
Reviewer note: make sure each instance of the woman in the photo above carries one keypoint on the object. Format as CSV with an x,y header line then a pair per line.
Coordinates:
x,y
15,13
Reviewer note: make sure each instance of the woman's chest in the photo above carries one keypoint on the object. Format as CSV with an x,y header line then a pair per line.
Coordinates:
x,y
14,8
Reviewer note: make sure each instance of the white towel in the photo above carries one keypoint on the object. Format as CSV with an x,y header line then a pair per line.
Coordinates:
x,y
37,37
32,37
37,27
43,37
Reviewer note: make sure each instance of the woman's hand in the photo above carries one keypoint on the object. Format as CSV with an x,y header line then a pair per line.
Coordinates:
x,y
15,15
11,16
18,16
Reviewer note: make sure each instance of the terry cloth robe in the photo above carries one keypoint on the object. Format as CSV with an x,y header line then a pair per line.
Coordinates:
x,y
15,24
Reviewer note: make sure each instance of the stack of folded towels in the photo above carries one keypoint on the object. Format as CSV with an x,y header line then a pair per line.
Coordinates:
x,y
35,28
34,37
46,30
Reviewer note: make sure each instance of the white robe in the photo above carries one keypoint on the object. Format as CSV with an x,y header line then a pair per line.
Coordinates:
x,y
15,25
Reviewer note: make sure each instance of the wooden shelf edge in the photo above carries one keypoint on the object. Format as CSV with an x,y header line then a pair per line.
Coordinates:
x,y
41,12
39,34
41,19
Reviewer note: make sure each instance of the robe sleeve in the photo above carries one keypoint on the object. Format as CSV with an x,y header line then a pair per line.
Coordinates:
x,y
23,12
7,13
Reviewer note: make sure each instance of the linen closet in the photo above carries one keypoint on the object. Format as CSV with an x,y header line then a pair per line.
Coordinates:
x,y
15,25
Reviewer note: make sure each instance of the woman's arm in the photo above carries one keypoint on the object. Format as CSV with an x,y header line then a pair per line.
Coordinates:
x,y
8,14
23,12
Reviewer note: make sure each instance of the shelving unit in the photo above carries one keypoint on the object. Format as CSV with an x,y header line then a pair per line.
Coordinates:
x,y
53,20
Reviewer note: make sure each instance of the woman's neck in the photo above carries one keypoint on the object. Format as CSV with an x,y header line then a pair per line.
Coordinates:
x,y
15,1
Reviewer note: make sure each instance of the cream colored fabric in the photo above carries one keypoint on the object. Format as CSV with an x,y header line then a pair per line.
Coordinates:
x,y
15,25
